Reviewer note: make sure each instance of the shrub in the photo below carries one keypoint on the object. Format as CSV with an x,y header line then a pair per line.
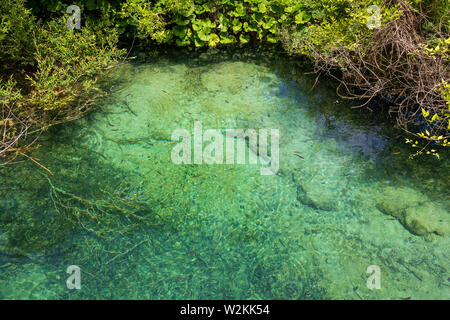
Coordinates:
x,y
405,61
60,80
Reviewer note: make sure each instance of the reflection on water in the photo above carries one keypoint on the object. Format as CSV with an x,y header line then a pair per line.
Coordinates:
x,y
140,226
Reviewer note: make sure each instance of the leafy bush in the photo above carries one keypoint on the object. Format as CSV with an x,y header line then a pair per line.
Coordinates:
x,y
66,63
54,68
60,80
16,26
210,23
405,61
343,25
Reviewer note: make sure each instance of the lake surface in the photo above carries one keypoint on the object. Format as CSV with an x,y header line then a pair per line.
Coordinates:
x,y
140,226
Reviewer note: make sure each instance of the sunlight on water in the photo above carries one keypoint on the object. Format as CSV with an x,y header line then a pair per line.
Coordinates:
x,y
141,227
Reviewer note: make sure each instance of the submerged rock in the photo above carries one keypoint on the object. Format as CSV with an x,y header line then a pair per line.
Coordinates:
x,y
314,192
393,201
427,219
318,198
415,211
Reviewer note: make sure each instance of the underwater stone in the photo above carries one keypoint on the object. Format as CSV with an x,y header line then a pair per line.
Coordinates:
x,y
415,212
423,220
393,201
313,190
318,198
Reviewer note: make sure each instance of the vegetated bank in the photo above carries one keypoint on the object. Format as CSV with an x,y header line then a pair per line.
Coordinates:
x,y
397,50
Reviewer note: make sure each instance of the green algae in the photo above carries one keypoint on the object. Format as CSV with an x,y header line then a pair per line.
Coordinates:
x,y
141,227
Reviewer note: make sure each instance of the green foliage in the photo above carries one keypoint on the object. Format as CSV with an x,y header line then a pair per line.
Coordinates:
x,y
336,24
67,61
438,48
49,72
342,40
439,121
209,23
16,26
9,92
146,17
53,67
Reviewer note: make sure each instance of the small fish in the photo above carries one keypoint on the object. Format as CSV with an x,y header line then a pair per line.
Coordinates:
x,y
299,156
407,298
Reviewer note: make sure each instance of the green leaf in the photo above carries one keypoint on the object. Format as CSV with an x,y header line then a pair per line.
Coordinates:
x,y
199,9
181,21
214,40
183,42
198,42
203,35
240,10
258,18
187,12
435,117
180,31
237,25
268,23
283,18
290,9
262,7
244,38
272,38
302,17
316,14
224,22
209,7
250,27
261,33
226,38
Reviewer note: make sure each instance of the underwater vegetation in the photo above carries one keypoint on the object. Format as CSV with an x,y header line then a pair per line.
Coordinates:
x,y
345,197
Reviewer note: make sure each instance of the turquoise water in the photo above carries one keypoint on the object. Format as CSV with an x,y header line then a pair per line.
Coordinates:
x,y
141,227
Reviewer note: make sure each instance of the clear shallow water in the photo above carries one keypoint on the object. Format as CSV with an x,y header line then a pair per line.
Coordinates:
x,y
141,227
